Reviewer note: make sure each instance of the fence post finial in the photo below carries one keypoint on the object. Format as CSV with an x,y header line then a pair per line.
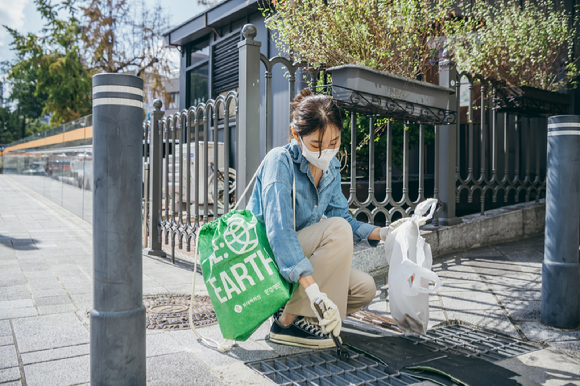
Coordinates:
x,y
157,104
249,31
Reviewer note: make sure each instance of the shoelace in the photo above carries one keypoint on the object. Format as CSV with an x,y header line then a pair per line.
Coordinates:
x,y
278,313
310,328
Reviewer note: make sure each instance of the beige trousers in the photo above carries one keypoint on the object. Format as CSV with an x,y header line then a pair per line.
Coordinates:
x,y
328,244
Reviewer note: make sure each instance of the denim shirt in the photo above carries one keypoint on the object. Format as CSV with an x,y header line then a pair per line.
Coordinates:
x,y
271,203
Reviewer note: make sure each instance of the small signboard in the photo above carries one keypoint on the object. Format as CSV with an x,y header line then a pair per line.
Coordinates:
x,y
464,93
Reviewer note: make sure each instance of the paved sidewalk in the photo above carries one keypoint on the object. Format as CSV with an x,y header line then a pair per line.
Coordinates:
x,y
45,293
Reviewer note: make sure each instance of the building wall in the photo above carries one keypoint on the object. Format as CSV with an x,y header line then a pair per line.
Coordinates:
x,y
280,86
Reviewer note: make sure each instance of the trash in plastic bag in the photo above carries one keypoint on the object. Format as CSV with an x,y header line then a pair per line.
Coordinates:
x,y
410,275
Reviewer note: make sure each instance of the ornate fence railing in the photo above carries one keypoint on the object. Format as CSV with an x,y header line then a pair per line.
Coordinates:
x,y
191,151
501,151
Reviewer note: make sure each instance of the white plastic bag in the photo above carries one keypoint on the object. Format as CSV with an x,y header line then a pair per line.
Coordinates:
x,y
410,274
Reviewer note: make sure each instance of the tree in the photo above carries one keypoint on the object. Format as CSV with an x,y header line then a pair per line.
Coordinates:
x,y
120,37
52,70
401,37
22,103
8,126
52,64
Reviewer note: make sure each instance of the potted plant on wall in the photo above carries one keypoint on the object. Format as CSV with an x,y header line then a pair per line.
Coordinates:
x,y
377,51
525,51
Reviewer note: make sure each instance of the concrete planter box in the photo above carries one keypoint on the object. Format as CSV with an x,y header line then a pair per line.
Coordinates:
x,y
411,95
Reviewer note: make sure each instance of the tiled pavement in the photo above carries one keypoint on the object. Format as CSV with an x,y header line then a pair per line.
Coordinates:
x,y
45,293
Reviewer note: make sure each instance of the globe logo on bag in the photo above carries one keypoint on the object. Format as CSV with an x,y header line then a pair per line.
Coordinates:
x,y
240,236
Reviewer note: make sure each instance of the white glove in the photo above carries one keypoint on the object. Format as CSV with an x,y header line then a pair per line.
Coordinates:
x,y
330,322
384,232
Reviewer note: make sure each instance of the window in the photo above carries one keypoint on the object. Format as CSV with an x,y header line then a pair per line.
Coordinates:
x,y
197,72
198,52
198,85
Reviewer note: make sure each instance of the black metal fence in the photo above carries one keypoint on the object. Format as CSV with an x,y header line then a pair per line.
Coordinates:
x,y
501,151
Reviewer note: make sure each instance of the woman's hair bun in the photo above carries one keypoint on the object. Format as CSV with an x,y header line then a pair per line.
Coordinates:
x,y
303,94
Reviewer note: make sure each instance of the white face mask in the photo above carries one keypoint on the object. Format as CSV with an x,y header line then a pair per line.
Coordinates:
x,y
321,161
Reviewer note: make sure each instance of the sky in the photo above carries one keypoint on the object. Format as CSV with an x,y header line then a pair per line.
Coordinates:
x,y
22,16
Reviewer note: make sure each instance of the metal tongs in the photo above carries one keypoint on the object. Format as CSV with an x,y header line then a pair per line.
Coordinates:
x,y
343,355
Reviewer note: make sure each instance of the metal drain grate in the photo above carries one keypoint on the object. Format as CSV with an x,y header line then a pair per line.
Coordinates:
x,y
323,368
172,311
469,341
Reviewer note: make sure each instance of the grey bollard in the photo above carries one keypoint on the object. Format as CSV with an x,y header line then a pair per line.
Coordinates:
x,y
561,266
117,319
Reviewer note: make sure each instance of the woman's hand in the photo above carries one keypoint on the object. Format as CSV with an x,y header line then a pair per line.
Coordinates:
x,y
306,281
328,315
382,233
375,234
330,321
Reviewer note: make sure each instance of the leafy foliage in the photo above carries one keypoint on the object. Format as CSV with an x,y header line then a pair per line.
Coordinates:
x,y
123,36
14,125
528,45
397,36
52,63
362,124
52,70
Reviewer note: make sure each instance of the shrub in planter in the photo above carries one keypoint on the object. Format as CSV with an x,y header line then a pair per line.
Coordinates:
x,y
380,48
397,36
519,47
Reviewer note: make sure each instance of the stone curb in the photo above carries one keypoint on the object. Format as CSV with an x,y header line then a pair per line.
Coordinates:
x,y
511,223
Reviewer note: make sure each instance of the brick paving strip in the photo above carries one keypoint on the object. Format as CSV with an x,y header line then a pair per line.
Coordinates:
x,y
45,293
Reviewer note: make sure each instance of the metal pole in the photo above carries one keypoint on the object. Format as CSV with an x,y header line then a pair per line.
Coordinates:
x,y
155,182
448,149
145,203
117,319
561,266
248,147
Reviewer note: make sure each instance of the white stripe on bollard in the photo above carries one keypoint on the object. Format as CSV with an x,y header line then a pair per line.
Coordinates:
x,y
116,88
563,124
117,101
563,132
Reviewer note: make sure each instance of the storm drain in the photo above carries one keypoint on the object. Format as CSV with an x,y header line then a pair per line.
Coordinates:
x,y
172,311
464,340
323,368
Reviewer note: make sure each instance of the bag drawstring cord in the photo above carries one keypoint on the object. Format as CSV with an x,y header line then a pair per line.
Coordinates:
x,y
220,346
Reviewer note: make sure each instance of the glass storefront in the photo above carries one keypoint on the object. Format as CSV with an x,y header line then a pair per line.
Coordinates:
x,y
58,164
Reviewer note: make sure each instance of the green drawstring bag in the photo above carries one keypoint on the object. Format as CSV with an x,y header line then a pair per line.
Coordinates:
x,y
240,274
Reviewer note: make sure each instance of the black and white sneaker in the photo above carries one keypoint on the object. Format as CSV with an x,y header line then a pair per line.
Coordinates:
x,y
300,333
277,314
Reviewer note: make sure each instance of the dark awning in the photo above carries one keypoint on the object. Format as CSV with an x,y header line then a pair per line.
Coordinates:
x,y
217,16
